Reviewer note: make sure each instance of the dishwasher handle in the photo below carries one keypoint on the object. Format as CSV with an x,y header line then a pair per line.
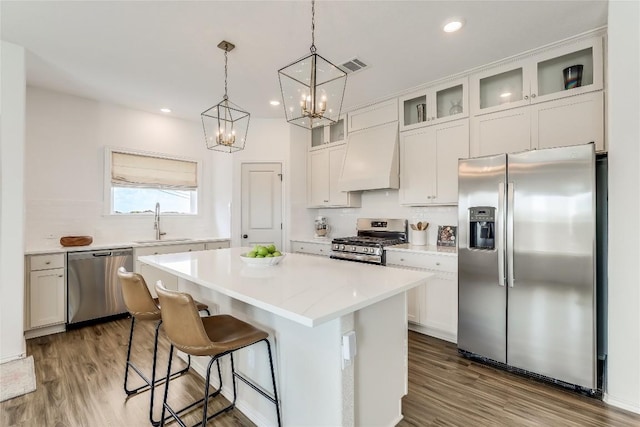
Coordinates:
x,y
99,254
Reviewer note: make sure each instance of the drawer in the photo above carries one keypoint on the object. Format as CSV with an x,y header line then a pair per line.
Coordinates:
x,y
46,262
168,249
311,248
423,260
217,245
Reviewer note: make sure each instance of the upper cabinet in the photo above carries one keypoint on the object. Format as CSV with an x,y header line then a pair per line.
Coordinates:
x,y
568,70
434,105
429,159
335,133
323,169
373,115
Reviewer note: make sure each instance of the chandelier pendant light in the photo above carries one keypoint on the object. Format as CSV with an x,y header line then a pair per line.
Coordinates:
x,y
312,88
225,124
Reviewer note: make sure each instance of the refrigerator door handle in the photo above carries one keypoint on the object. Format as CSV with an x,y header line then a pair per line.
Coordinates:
x,y
500,234
510,202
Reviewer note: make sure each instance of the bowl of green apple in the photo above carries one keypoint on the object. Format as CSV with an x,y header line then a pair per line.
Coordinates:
x,y
262,256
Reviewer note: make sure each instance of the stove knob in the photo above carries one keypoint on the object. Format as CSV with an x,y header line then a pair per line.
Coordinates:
x,y
353,248
368,249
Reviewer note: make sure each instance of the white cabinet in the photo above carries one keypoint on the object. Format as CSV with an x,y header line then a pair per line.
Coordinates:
x,y
432,308
311,248
373,115
434,105
502,132
429,163
221,244
568,121
324,167
151,274
539,77
335,133
45,291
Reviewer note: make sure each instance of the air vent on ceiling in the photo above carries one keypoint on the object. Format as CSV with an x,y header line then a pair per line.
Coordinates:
x,y
353,66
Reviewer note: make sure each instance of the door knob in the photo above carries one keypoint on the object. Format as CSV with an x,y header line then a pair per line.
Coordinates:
x,y
244,236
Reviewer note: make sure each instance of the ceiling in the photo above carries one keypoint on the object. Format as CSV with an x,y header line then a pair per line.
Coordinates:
x,y
153,54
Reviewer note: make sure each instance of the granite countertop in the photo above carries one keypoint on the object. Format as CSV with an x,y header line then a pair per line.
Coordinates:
x,y
55,247
306,290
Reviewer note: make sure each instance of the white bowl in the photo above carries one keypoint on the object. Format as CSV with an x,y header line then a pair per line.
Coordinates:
x,y
261,261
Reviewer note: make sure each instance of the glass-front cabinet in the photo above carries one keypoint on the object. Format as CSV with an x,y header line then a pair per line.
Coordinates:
x,y
335,133
435,104
560,72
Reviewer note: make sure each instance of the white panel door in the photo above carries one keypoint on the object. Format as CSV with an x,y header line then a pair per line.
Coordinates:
x,y
261,204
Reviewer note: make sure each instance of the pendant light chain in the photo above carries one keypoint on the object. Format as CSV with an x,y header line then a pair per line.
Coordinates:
x,y
226,51
313,26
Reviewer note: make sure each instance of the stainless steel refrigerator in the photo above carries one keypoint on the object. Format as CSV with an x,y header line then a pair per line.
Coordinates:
x,y
527,262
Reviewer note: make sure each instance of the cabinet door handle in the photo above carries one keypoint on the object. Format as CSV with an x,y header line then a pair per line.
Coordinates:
x,y
48,262
326,201
244,236
401,259
60,275
437,263
533,95
526,97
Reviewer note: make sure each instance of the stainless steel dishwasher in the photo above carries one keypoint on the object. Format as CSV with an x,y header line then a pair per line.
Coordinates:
x,y
93,289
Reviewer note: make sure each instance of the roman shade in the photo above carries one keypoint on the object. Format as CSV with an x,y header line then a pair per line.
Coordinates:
x,y
128,169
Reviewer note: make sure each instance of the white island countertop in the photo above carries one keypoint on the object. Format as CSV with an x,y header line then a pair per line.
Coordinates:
x,y
307,290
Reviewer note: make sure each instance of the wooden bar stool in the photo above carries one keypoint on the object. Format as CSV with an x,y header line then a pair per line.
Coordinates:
x,y
142,306
213,336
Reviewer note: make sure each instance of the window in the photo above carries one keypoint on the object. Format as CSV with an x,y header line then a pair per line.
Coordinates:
x,y
138,181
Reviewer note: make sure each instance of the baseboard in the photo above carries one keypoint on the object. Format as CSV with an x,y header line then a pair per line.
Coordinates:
x,y
433,332
619,404
12,358
47,330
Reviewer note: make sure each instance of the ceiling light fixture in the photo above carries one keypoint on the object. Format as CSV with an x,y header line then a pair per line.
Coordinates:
x,y
225,124
312,88
165,110
453,25
274,103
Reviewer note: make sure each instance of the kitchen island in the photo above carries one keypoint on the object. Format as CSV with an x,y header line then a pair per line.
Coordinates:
x,y
308,305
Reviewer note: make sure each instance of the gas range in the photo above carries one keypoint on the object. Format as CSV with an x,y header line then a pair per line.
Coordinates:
x,y
374,234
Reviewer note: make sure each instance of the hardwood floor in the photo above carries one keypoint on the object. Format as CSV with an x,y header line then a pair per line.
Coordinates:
x,y
79,383
446,389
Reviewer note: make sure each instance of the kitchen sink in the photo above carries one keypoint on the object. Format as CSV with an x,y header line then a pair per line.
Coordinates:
x,y
143,242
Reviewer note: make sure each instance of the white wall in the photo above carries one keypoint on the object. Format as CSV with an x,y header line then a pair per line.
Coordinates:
x,y
64,187
12,123
623,388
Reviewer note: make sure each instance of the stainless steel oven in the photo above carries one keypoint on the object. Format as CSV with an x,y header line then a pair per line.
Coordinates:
x,y
373,234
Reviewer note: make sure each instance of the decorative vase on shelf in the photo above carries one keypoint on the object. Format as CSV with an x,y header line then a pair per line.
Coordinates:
x,y
456,107
572,76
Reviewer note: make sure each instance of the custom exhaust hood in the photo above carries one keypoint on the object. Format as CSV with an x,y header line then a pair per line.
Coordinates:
x,y
371,159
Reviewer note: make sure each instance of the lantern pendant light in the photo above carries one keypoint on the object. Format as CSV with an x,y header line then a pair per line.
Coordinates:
x,y
312,88
225,124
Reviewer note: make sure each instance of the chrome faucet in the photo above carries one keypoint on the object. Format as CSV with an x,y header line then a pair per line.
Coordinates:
x,y
156,223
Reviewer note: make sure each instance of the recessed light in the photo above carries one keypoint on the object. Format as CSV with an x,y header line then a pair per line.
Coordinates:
x,y
453,25
165,110
274,103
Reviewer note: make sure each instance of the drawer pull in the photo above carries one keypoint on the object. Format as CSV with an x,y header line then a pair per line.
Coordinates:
x,y
437,263
48,262
401,259
60,275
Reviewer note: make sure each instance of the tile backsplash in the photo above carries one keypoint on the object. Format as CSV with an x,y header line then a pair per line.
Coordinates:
x,y
384,204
